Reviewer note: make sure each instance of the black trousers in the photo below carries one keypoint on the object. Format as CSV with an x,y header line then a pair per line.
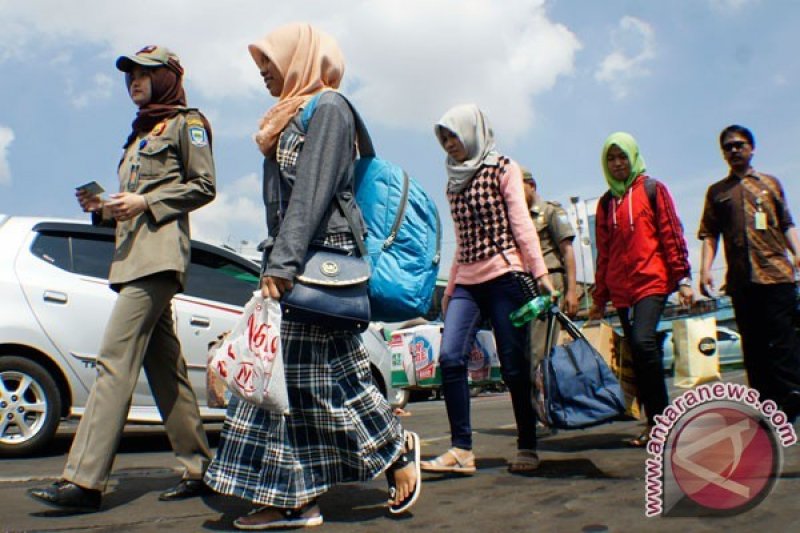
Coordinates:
x,y
648,355
764,314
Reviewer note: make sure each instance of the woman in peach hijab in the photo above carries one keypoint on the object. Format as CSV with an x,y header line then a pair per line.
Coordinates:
x,y
340,428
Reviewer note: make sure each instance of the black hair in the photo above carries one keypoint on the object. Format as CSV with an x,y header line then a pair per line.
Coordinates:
x,y
741,130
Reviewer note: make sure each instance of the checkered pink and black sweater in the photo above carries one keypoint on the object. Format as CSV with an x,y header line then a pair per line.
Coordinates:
x,y
496,195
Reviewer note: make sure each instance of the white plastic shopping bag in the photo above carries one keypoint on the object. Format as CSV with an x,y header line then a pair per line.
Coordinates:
x,y
250,360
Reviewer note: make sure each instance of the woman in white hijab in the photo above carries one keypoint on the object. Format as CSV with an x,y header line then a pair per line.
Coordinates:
x,y
496,239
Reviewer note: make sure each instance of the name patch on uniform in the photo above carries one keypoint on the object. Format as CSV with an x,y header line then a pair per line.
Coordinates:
x,y
197,135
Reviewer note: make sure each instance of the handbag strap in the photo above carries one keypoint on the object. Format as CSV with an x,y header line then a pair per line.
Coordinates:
x,y
553,314
527,285
575,332
480,225
362,247
482,228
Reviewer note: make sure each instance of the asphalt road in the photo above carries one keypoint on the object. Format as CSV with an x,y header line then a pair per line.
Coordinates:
x,y
589,481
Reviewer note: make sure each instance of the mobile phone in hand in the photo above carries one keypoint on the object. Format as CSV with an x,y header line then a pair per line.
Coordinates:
x,y
92,187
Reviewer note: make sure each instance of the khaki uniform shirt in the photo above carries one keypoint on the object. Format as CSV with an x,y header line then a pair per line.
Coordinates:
x,y
172,167
553,226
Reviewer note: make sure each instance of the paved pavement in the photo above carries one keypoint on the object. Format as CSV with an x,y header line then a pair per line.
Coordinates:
x,y
589,481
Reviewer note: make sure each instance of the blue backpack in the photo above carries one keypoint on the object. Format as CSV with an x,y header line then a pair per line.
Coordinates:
x,y
403,231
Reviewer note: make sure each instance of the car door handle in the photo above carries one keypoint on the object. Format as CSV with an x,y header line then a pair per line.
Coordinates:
x,y
55,297
200,321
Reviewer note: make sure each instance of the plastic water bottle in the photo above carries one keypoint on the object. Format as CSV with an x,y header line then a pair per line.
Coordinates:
x,y
531,310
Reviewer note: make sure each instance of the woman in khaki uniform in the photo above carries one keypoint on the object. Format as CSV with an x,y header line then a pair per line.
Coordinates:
x,y
166,171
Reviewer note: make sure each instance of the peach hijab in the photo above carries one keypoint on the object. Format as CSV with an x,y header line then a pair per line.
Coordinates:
x,y
309,61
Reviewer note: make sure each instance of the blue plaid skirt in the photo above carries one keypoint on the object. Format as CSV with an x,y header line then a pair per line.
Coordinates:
x,y
340,428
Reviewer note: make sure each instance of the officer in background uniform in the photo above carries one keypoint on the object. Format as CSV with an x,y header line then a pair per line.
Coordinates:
x,y
166,171
555,239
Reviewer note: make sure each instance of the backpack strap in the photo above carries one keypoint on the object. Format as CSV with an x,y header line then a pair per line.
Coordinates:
x,y
364,147
364,141
605,200
652,195
650,188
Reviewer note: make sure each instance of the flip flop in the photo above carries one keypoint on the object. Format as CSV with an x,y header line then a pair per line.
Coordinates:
x,y
460,465
307,516
410,455
525,461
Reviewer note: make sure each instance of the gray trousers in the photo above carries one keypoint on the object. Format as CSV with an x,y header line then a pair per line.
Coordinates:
x,y
139,333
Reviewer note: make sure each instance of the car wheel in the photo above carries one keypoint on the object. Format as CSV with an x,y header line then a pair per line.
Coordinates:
x,y
400,397
30,406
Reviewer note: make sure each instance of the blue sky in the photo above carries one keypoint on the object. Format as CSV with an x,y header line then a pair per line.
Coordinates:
x,y
556,77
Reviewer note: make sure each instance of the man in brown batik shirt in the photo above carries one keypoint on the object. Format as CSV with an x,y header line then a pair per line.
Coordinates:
x,y
749,209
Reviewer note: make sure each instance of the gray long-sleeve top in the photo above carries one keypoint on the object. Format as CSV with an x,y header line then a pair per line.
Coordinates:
x,y
301,183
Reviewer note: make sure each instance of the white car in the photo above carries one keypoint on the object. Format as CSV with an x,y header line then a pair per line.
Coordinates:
x,y
54,305
729,348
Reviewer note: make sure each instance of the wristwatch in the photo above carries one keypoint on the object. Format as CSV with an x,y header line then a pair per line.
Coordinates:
x,y
685,282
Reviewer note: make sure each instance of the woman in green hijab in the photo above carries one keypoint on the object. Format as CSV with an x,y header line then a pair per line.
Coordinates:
x,y
641,259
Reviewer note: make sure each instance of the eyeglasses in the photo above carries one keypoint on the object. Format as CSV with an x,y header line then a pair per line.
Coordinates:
x,y
729,146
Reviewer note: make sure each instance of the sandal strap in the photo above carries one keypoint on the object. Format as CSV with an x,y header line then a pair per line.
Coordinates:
x,y
406,457
439,461
459,460
291,513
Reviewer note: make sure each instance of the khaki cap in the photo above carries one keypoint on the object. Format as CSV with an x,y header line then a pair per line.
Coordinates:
x,y
527,176
149,56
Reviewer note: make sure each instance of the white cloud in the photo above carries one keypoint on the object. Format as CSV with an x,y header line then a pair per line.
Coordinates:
x,y
6,137
407,62
99,90
634,47
236,214
458,52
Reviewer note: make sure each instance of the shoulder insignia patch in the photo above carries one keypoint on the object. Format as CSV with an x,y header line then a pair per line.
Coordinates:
x,y
194,121
197,135
159,128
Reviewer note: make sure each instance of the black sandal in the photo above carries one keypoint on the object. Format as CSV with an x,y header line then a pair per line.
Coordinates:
x,y
410,455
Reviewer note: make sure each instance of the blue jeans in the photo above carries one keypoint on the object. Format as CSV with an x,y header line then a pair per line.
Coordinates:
x,y
494,299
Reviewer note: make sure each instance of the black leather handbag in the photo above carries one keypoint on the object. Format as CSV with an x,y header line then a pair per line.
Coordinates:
x,y
330,291
524,280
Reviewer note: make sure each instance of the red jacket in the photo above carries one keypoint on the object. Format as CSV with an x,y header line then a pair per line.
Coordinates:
x,y
638,256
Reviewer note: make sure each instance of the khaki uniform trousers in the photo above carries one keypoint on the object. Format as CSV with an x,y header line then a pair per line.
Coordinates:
x,y
139,333
537,329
